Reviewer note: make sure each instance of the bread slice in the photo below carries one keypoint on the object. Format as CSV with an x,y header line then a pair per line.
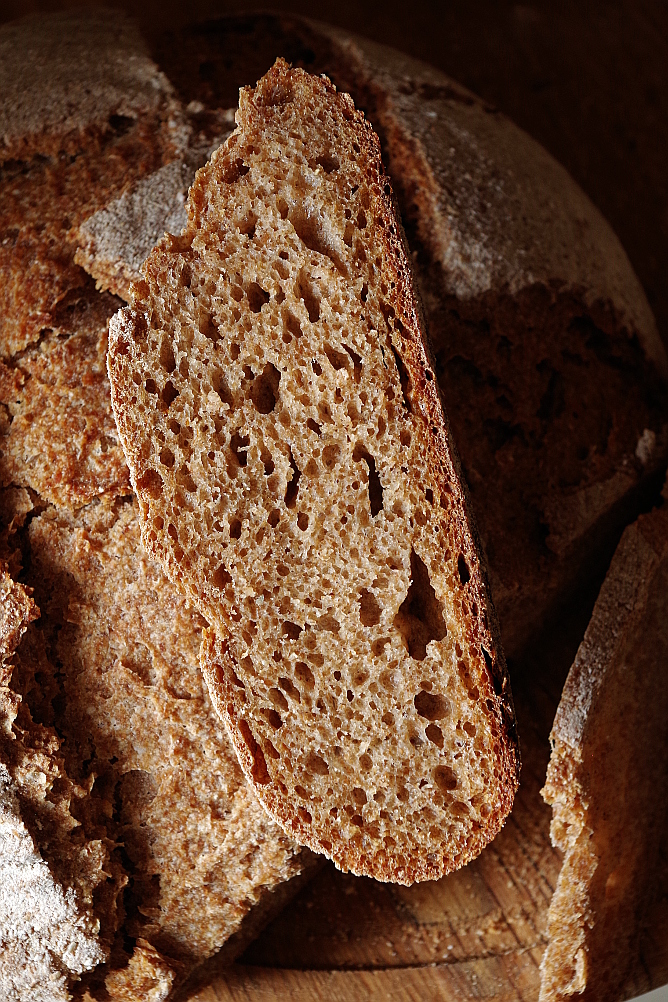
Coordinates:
x,y
607,780
288,447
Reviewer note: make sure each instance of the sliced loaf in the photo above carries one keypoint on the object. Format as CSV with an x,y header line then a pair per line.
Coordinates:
x,y
294,470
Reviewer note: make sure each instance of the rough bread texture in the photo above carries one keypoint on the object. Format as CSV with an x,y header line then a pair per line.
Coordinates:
x,y
61,439
115,241
66,75
288,447
533,309
71,143
607,780
47,924
132,799
43,936
199,849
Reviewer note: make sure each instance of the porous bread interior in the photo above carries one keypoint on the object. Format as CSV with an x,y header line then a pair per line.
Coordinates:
x,y
290,480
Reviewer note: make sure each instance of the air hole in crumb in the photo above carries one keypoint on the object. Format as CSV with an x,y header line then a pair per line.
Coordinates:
x,y
184,479
420,616
349,696
167,360
207,326
302,521
470,729
463,568
232,171
291,630
278,699
256,296
403,378
293,484
364,293
369,608
238,444
313,425
283,210
219,384
429,494
264,390
357,363
317,368
329,623
316,764
435,734
432,706
221,577
272,717
267,462
330,454
308,293
170,393
375,486
304,674
304,815
235,528
337,359
444,778
293,326
274,518
167,457
150,483
248,224
329,162
290,689
150,386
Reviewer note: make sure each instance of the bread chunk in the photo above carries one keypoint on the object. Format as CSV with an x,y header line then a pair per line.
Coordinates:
x,y
288,446
62,441
607,780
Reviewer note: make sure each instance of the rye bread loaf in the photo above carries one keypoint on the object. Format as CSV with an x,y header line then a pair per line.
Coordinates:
x,y
532,307
295,475
160,856
607,779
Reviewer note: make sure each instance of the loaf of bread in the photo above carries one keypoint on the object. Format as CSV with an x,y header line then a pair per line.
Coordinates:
x,y
132,849
555,290
607,780
532,307
295,476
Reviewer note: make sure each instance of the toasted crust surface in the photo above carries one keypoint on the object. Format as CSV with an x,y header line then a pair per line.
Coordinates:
x,y
273,377
607,779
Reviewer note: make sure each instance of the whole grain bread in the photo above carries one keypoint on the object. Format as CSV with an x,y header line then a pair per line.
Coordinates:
x,y
295,475
146,857
607,779
531,304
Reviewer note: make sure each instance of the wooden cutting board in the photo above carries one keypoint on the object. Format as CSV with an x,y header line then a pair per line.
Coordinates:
x,y
478,933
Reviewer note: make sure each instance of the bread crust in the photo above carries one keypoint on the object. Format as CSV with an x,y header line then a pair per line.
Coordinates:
x,y
607,780
129,354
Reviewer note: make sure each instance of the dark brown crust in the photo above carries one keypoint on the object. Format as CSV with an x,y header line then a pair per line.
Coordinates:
x,y
492,679
607,779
